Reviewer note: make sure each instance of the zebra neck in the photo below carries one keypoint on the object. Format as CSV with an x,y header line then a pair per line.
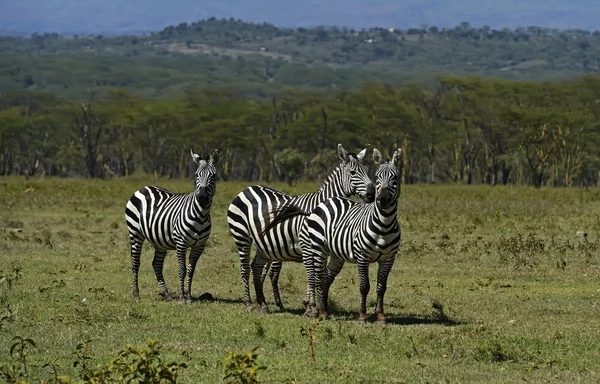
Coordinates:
x,y
387,216
197,210
333,186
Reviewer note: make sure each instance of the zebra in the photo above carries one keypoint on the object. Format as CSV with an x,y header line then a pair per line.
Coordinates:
x,y
349,231
248,214
170,220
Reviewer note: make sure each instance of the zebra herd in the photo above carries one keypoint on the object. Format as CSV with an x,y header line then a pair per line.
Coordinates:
x,y
311,228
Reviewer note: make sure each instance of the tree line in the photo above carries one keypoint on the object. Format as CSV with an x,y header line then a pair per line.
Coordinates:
x,y
462,130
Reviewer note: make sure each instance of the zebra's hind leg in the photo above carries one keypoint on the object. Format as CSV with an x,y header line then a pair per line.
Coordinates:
x,y
308,258
195,254
257,267
136,252
274,276
265,271
158,263
244,245
333,268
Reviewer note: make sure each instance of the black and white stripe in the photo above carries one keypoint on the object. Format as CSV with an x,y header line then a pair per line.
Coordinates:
x,y
252,209
347,231
170,220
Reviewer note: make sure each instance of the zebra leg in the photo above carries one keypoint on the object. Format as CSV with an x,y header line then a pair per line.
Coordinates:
x,y
363,277
308,260
333,268
257,266
274,276
181,253
319,269
136,253
195,254
382,275
244,254
157,263
265,271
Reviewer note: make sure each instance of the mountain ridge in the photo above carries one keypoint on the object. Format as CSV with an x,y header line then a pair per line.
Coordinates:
x,y
113,17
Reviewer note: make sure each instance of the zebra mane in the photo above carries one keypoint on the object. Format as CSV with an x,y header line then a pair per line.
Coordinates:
x,y
334,169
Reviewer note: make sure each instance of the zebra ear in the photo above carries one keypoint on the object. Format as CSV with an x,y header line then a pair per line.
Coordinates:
x,y
343,154
396,158
196,157
376,156
214,156
361,154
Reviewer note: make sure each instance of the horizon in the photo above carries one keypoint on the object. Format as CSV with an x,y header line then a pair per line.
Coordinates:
x,y
117,17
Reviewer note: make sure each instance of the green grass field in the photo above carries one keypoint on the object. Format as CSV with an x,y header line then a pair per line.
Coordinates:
x,y
490,285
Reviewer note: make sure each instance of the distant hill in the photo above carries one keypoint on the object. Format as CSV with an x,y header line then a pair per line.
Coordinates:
x,y
111,17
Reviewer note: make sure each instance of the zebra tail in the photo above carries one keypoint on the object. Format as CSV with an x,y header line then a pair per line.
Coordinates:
x,y
282,214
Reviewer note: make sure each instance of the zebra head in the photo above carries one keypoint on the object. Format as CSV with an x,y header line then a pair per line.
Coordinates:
x,y
205,178
387,179
355,175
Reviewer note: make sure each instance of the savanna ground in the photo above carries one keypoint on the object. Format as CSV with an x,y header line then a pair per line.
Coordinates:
x,y
490,285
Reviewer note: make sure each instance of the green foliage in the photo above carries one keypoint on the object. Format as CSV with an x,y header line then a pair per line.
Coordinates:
x,y
468,130
291,164
310,332
242,368
16,371
131,365
10,278
135,364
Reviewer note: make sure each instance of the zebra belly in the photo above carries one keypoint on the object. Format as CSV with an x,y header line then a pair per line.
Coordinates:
x,y
282,243
279,249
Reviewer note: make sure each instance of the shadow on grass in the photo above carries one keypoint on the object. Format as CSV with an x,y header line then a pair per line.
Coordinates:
x,y
391,319
343,315
422,320
206,296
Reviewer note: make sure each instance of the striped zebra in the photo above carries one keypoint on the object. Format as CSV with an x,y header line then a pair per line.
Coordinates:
x,y
249,213
349,231
170,220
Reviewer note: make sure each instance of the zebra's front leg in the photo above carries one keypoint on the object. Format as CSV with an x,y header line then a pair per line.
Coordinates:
x,y
181,253
363,277
274,276
136,252
382,275
333,268
158,263
257,267
195,254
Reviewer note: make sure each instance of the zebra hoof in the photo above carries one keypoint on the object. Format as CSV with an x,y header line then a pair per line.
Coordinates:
x,y
167,298
310,314
265,310
381,322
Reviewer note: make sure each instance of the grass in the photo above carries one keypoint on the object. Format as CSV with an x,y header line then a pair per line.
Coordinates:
x,y
490,285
